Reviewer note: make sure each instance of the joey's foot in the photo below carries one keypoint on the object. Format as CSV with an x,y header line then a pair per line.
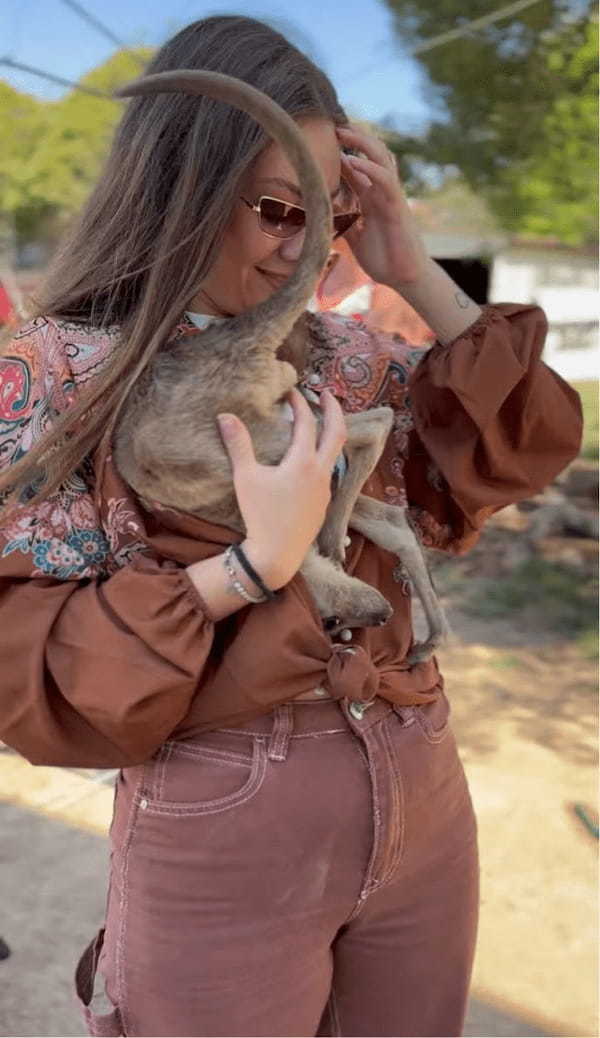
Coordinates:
x,y
423,651
376,614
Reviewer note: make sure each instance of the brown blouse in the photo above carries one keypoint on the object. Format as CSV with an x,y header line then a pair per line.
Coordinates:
x,y
105,648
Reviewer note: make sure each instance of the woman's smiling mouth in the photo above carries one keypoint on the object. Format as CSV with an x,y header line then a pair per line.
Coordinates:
x,y
274,279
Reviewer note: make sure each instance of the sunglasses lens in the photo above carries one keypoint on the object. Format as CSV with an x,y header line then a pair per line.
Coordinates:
x,y
343,222
280,219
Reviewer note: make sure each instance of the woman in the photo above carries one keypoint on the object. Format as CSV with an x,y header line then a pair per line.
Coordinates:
x,y
293,845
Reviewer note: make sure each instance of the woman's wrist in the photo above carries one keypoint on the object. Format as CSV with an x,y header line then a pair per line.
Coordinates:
x,y
439,301
214,585
274,571
213,582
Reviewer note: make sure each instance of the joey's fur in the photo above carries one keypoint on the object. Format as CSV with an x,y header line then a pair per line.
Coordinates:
x,y
167,444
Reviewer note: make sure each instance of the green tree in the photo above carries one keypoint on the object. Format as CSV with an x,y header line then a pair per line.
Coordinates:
x,y
517,110
53,151
23,122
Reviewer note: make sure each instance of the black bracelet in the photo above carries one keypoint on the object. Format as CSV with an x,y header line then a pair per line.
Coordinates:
x,y
251,572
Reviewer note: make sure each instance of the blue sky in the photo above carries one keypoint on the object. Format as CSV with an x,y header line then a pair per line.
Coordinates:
x,y
352,40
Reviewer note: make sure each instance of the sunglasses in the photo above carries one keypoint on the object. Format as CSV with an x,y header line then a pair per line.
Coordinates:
x,y
279,219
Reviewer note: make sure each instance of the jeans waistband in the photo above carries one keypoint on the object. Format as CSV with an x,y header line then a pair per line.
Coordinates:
x,y
325,716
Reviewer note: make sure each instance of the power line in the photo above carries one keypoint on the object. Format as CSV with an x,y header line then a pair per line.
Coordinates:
x,y
51,78
477,23
451,34
101,28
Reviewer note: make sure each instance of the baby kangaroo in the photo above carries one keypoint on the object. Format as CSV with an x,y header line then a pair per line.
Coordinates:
x,y
166,442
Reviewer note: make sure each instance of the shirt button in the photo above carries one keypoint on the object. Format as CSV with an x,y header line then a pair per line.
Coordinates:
x,y
320,691
314,379
357,710
346,635
347,542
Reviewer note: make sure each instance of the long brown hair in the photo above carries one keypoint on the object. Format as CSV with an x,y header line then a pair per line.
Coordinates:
x,y
155,220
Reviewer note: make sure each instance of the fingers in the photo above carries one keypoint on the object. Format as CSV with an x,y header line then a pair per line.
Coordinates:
x,y
333,434
367,170
304,438
372,147
357,180
376,166
238,443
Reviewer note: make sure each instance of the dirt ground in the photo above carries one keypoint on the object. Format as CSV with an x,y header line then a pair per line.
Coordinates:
x,y
524,709
525,712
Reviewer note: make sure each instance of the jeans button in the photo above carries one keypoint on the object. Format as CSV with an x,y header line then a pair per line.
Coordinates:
x,y
357,710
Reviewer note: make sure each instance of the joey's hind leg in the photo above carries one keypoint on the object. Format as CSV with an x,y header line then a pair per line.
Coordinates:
x,y
367,434
338,595
388,527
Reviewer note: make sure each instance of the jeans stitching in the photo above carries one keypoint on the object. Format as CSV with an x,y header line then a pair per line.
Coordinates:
x,y
398,794
368,884
283,726
359,749
212,753
335,1017
160,785
255,780
430,734
123,904
295,735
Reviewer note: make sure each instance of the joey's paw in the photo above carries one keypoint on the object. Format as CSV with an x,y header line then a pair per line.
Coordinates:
x,y
365,610
423,651
420,653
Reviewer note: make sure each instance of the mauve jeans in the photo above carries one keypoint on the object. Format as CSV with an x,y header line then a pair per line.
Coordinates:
x,y
312,872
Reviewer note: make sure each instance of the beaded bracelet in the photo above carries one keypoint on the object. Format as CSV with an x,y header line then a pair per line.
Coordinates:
x,y
244,562
234,583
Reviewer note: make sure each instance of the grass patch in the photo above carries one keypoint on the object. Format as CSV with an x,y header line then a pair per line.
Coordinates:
x,y
545,595
505,662
588,392
587,643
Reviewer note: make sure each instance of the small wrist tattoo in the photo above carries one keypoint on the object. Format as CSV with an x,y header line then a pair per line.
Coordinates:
x,y
462,299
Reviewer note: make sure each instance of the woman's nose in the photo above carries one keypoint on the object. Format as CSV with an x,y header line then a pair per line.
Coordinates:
x,y
290,248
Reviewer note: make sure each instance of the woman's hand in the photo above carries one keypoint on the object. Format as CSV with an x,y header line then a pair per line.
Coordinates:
x,y
385,241
283,506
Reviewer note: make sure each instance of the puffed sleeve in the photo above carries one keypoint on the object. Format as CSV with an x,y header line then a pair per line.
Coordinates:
x,y
493,424
97,673
97,667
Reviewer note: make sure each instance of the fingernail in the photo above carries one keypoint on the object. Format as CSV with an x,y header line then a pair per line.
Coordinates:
x,y
226,424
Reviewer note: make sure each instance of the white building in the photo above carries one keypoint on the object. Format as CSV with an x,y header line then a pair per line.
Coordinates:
x,y
496,267
565,284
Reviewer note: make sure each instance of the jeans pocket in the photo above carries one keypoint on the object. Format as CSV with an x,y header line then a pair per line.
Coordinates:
x,y
203,777
433,719
103,1019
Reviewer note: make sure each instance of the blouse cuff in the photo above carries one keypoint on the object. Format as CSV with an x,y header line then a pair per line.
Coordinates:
x,y
489,315
193,595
